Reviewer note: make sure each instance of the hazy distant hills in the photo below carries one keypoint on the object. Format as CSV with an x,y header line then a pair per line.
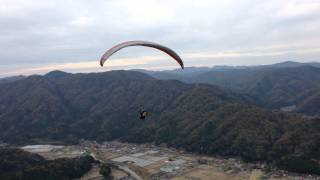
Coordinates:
x,y
274,88
294,64
10,79
288,84
197,117
191,71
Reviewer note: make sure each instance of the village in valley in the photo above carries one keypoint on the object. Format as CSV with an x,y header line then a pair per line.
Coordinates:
x,y
148,161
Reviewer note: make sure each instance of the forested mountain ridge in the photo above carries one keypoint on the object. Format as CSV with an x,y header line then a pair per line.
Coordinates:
x,y
197,117
11,79
282,85
63,101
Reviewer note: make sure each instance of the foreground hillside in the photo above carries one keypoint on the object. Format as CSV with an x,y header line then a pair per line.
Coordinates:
x,y
199,118
17,164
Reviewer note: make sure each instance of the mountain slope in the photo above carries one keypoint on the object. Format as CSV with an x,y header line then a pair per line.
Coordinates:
x,y
198,117
286,85
72,104
18,164
273,88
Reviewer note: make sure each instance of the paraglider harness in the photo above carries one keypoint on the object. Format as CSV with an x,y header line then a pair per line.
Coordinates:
x,y
143,114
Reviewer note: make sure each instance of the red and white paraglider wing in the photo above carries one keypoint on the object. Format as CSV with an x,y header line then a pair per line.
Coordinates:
x,y
120,46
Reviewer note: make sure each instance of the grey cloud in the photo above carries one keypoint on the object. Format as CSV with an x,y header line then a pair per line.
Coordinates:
x,y
40,32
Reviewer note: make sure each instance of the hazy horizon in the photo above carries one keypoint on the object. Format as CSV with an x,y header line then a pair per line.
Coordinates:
x,y
102,69
41,36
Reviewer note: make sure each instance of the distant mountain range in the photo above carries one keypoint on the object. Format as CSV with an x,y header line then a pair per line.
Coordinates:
x,y
189,71
11,79
200,118
279,86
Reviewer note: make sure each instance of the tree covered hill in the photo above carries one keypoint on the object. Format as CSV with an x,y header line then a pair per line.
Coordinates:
x,y
75,105
197,117
271,87
17,164
274,86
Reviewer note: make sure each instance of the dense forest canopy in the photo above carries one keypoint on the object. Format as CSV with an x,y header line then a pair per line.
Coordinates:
x,y
17,164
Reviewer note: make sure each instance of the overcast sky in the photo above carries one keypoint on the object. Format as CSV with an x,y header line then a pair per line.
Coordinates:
x,y
38,36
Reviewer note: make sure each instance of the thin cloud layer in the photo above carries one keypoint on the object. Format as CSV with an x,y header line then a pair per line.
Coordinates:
x,y
54,34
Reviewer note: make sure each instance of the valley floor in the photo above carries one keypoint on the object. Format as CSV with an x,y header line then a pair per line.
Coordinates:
x,y
147,161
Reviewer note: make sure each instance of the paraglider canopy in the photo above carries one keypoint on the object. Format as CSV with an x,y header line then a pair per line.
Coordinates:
x,y
120,46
